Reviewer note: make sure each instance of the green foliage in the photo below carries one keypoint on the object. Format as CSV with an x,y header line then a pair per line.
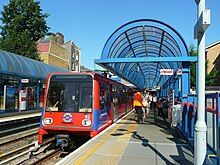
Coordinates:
x,y
209,78
23,25
192,52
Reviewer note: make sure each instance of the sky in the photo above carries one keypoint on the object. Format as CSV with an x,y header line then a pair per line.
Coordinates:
x,y
89,23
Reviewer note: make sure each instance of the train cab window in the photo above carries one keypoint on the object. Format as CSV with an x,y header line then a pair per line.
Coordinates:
x,y
70,94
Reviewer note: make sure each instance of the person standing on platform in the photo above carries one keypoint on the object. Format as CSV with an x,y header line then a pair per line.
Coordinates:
x,y
145,102
160,108
138,105
153,104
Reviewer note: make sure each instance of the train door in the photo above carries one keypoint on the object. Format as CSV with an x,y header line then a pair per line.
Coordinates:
x,y
105,100
115,102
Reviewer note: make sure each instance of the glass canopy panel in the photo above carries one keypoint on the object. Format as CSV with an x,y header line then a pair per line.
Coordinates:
x,y
144,38
22,66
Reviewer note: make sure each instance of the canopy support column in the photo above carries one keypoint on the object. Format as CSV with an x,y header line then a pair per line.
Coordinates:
x,y
200,126
185,84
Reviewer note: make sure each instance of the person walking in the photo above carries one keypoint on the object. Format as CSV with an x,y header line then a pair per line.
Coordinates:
x,y
145,102
153,105
138,105
153,102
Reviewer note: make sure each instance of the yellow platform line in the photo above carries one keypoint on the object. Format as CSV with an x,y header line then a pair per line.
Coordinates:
x,y
95,147
115,153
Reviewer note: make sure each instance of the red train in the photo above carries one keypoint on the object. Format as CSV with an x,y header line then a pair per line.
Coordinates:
x,y
81,104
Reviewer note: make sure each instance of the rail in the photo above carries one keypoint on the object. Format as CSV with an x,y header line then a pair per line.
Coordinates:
x,y
189,117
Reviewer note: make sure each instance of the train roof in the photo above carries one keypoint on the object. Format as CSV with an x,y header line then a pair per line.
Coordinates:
x,y
94,74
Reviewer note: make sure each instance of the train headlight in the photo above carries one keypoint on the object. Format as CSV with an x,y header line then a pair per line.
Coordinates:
x,y
86,122
48,121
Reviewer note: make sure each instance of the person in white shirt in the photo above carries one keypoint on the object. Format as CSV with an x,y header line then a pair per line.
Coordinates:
x,y
153,102
145,102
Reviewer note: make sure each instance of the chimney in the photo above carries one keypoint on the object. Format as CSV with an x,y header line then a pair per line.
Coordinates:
x,y
59,38
52,37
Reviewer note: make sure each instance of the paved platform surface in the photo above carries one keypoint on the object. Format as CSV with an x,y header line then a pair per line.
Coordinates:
x,y
7,117
132,143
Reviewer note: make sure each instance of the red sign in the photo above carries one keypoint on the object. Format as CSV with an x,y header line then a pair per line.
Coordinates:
x,y
166,72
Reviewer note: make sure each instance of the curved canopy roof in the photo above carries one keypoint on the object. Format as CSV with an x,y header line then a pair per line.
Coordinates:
x,y
145,39
11,63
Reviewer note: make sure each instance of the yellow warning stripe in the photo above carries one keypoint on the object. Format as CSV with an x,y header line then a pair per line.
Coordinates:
x,y
95,147
115,153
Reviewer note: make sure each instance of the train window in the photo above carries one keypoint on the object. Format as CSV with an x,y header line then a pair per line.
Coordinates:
x,y
69,95
105,96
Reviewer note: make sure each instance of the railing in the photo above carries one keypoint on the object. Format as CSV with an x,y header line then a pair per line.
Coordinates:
x,y
212,102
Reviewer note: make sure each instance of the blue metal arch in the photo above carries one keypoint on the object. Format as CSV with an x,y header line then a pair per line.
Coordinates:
x,y
171,40
139,39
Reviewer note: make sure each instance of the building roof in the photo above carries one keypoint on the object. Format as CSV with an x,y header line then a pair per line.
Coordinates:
x,y
213,44
11,63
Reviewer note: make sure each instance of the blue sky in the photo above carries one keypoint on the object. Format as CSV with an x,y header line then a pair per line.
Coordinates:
x,y
89,23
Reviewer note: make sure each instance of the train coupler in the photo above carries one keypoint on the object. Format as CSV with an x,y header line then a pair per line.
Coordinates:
x,y
62,141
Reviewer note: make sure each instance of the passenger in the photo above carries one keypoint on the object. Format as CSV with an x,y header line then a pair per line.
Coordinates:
x,y
160,107
138,105
153,102
145,102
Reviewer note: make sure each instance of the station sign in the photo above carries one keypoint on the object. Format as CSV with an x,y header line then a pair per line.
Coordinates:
x,y
25,81
166,72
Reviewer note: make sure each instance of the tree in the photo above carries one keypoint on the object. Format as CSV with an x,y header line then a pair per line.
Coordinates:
x,y
23,25
192,52
209,78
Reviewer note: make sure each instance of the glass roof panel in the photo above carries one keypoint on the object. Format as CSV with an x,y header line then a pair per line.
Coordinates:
x,y
144,38
14,64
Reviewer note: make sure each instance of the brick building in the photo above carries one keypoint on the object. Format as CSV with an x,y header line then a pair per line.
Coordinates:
x,y
52,50
213,57
74,54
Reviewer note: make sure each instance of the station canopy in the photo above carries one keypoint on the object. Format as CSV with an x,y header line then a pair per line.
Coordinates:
x,y
138,50
11,63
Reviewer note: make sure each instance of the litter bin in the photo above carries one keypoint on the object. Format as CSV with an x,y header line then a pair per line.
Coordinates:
x,y
176,114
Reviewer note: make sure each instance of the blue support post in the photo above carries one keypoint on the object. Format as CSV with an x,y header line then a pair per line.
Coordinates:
x,y
37,94
176,86
191,117
20,85
185,87
185,79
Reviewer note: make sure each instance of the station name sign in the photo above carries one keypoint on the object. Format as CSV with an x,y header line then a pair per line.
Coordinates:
x,y
166,72
26,80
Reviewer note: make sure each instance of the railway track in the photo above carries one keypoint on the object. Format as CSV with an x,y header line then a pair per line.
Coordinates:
x,y
22,152
47,153
18,137
47,157
16,126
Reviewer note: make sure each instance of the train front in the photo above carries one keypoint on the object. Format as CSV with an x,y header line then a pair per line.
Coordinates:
x,y
67,107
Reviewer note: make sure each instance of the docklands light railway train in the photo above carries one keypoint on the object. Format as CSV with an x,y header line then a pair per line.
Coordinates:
x,y
82,104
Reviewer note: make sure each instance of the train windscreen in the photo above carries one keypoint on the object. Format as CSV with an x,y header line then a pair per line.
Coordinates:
x,y
70,93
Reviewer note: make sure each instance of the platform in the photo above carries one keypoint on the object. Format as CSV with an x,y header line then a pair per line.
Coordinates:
x,y
6,117
130,143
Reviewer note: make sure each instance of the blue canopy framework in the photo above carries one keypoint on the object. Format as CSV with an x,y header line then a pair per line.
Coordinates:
x,y
13,64
15,68
139,49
